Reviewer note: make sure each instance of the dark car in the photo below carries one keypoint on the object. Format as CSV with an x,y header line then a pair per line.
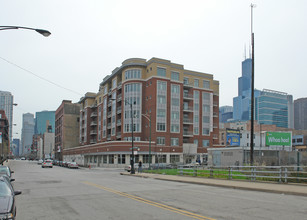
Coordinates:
x,y
5,170
7,199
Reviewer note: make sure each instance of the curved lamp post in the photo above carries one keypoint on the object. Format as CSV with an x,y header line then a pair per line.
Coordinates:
x,y
45,33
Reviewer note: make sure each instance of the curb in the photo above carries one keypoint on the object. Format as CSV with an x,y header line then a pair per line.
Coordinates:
x,y
248,187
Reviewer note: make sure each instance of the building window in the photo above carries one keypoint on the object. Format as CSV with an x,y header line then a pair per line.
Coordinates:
x,y
206,131
133,74
161,72
206,143
174,159
160,140
196,82
186,81
174,141
175,128
121,159
196,142
114,84
175,76
206,84
161,127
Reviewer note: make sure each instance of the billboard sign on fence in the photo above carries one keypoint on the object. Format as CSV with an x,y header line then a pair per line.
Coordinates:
x,y
278,139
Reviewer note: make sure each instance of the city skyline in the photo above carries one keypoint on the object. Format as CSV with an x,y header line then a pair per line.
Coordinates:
x,y
94,37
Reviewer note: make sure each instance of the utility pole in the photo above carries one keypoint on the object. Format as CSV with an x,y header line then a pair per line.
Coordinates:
x,y
252,93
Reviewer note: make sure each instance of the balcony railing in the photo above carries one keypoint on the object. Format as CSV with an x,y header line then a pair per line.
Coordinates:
x,y
187,84
119,110
93,141
187,96
94,114
93,123
187,121
118,135
93,132
187,133
119,122
190,109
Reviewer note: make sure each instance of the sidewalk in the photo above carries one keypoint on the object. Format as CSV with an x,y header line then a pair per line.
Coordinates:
x,y
290,188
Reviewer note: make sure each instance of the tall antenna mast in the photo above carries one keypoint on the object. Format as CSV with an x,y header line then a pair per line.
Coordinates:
x,y
252,93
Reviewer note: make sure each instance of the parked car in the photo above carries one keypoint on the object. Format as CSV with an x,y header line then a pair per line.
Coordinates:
x,y
5,170
73,165
47,163
39,162
128,167
7,201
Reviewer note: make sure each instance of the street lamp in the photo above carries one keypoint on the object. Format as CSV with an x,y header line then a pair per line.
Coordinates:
x,y
45,33
149,119
132,127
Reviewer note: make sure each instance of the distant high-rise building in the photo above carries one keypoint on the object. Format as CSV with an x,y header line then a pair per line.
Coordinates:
x,y
225,113
300,114
42,120
27,133
16,146
274,108
6,103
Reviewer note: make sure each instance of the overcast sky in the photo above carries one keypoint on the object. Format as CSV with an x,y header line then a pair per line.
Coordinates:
x,y
90,38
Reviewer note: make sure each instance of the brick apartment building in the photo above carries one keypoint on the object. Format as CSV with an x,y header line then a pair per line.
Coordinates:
x,y
182,106
66,127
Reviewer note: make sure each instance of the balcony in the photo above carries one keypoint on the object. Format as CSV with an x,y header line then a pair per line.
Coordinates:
x,y
119,122
93,123
187,84
109,114
109,103
93,141
215,115
187,121
119,98
109,137
93,132
119,85
119,110
187,134
187,96
94,114
215,104
118,135
109,126
187,109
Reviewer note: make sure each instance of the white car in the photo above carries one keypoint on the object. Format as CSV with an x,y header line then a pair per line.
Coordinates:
x,y
47,163
73,165
40,162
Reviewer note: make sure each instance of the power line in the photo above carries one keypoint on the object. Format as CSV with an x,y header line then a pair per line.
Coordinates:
x,y
42,78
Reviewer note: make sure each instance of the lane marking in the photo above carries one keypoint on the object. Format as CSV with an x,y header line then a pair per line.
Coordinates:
x,y
158,205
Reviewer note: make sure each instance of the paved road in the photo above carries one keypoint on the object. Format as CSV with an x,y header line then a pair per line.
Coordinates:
x,y
61,193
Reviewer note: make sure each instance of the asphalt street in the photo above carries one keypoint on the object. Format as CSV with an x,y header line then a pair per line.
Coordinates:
x,y
62,193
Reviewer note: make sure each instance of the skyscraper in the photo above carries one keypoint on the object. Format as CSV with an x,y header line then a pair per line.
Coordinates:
x,y
274,108
241,103
6,103
42,119
300,114
27,133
